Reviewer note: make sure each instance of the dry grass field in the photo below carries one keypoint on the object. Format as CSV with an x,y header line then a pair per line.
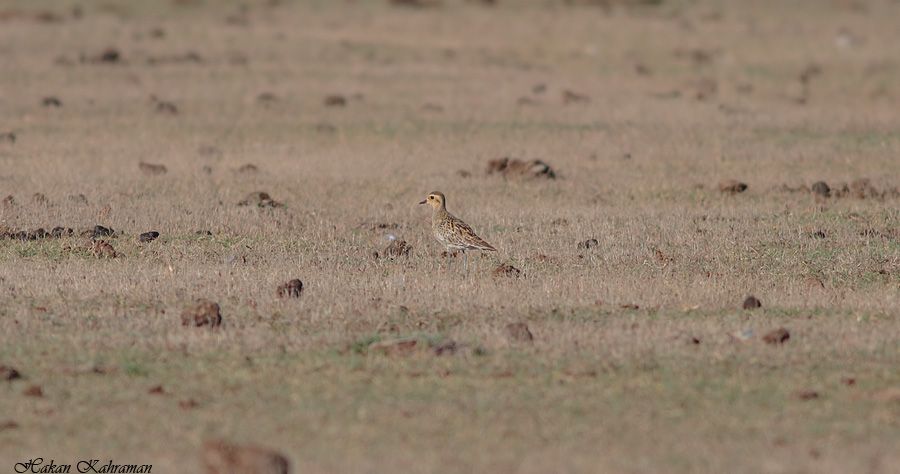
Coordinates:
x,y
347,113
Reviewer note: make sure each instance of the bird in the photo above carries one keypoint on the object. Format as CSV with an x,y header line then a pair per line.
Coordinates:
x,y
450,231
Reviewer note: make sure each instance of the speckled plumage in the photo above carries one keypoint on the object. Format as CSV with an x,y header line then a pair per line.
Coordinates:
x,y
449,230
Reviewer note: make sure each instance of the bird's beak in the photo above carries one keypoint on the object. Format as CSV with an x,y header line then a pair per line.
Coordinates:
x,y
423,202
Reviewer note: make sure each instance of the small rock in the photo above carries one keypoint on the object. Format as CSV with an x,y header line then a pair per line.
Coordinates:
x,y
335,101
8,425
571,97
51,102
8,373
821,188
188,404
156,390
8,137
38,234
78,198
248,168
515,168
102,249
519,332
220,457
148,236
291,289
33,391
397,248
202,313
848,381
731,186
447,347
464,173
267,98
109,55
259,199
588,244
151,169
101,231
204,233
507,270
59,232
806,395
777,336
752,303
164,107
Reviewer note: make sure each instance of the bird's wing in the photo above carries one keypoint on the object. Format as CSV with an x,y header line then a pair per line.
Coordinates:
x,y
463,235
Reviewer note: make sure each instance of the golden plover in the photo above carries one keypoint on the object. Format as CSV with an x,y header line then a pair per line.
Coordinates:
x,y
453,233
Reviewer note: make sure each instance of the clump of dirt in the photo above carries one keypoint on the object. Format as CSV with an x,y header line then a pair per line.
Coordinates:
x,y
99,231
291,289
39,198
33,391
9,137
267,98
8,373
731,186
507,270
148,236
188,57
776,336
806,395
513,168
260,199
248,168
588,244
821,189
103,249
165,107
752,302
107,56
220,457
335,100
572,97
202,313
397,248
51,101
59,232
151,169
519,332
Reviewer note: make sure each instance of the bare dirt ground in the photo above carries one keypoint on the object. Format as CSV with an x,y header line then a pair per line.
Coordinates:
x,y
348,113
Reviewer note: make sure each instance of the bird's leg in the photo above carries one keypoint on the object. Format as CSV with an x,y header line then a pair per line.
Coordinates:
x,y
466,262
